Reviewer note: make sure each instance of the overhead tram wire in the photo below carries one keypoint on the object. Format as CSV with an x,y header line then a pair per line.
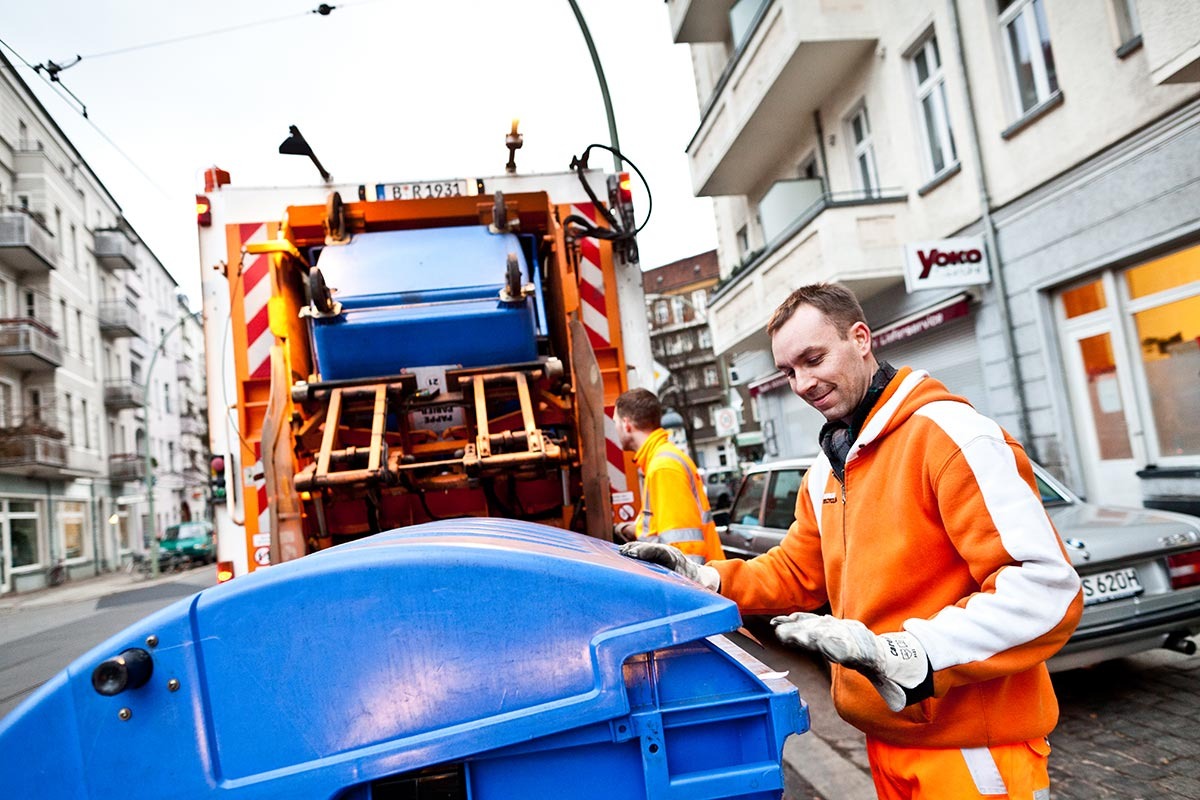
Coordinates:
x,y
54,83
324,10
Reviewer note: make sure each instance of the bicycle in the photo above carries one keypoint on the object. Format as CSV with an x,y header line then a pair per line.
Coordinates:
x,y
58,574
138,563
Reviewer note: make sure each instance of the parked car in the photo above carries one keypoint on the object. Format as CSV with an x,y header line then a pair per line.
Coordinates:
x,y
190,540
1140,567
720,485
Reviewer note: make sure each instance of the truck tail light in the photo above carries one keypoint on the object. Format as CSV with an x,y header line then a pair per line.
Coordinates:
x,y
1185,569
203,211
224,571
625,187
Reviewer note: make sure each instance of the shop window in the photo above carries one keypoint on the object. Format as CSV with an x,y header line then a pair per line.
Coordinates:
x,y
22,519
70,515
1104,394
1084,299
1165,295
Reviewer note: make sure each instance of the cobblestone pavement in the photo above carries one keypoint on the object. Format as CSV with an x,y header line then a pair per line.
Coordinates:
x,y
1129,729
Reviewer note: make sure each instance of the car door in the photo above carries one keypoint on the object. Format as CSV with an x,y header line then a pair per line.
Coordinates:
x,y
737,538
779,508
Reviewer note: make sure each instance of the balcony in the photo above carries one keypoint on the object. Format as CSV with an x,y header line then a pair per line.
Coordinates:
x,y
854,238
114,250
193,426
118,319
122,394
126,467
794,55
25,244
32,450
694,21
183,370
29,345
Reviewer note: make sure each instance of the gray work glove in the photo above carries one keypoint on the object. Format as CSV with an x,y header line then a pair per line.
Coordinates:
x,y
892,662
673,559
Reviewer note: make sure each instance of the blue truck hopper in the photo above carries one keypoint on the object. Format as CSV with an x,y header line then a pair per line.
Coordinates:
x,y
426,297
465,658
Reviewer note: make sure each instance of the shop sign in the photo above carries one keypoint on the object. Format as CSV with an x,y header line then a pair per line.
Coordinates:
x,y
945,263
913,326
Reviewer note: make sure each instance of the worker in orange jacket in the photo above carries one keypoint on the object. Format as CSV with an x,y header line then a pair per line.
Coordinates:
x,y
674,505
921,525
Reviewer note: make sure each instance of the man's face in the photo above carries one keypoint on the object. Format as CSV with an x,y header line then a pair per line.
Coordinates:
x,y
624,432
828,372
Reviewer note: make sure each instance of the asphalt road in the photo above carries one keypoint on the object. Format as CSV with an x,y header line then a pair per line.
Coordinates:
x,y
45,634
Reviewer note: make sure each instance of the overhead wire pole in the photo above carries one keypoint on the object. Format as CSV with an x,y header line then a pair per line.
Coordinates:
x,y
149,467
608,109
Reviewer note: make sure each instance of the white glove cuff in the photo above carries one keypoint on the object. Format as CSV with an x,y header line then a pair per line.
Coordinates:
x,y
905,661
709,578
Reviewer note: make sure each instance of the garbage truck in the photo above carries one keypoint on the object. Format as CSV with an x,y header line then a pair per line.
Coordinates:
x,y
385,354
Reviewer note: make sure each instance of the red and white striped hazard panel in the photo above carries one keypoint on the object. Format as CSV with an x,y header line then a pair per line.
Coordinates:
x,y
256,288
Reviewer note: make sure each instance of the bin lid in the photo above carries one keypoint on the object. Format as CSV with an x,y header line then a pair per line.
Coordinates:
x,y
421,265
405,649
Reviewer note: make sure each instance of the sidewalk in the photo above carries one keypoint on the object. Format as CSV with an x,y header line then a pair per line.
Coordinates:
x,y
92,588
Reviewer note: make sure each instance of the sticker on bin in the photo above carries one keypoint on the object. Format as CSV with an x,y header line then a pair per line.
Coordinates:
x,y
421,190
1106,586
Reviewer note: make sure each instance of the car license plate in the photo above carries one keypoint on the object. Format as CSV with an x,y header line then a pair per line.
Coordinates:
x,y
421,190
1105,586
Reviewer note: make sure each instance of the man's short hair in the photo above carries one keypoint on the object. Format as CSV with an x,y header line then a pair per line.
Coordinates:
x,y
836,302
642,408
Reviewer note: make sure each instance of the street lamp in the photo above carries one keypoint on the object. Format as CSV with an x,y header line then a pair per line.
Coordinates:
x,y
149,477
608,108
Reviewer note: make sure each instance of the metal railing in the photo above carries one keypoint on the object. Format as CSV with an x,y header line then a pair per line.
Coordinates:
x,y
29,344
126,467
25,243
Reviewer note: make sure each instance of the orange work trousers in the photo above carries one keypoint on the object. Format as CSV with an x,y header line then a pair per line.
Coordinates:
x,y
1014,771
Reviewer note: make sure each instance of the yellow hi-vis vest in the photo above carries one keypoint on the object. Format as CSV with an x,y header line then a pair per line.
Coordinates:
x,y
674,506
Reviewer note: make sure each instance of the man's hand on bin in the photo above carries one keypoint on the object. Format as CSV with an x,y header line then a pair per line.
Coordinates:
x,y
892,662
673,559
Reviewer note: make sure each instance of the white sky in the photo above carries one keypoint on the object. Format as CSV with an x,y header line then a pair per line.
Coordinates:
x,y
383,90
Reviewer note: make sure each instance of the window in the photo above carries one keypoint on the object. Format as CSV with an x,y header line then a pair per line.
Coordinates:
x,y
3,298
79,331
22,520
68,418
1027,43
30,305
678,310
166,397
87,428
931,97
70,517
864,152
58,231
1129,26
705,339
743,242
74,254
6,405
808,168
662,313
700,303
710,376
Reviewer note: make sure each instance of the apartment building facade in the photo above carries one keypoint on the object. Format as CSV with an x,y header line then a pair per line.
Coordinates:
x,y
694,384
1010,186
84,308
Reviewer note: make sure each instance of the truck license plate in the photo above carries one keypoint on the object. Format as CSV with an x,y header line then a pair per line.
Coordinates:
x,y
420,190
1105,586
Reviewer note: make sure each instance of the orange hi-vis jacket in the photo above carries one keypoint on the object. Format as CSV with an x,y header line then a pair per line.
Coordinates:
x,y
674,506
939,530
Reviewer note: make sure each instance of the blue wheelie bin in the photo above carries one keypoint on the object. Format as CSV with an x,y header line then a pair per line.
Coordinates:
x,y
469,658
